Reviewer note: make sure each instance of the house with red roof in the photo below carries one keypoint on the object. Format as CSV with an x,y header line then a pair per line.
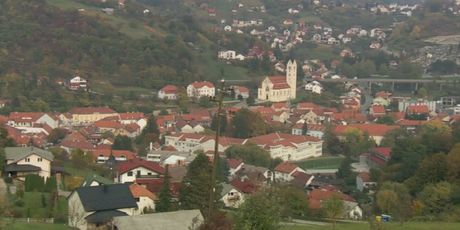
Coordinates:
x,y
280,88
363,181
169,92
417,111
154,185
190,142
133,118
307,106
289,147
234,165
375,131
76,140
241,92
314,130
377,110
280,106
144,198
317,197
301,179
29,119
349,117
234,194
86,115
201,88
131,170
284,171
379,156
101,155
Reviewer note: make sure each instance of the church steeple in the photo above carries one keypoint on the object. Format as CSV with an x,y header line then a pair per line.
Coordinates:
x,y
291,77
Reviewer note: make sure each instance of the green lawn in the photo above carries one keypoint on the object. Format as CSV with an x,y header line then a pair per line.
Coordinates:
x,y
321,163
33,205
385,226
27,226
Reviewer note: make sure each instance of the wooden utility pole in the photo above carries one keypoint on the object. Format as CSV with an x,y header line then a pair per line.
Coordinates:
x,y
219,99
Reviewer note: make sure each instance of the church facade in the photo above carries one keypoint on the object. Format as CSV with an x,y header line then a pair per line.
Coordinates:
x,y
279,88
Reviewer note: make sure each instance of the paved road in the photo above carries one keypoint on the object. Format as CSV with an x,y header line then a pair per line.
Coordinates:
x,y
305,222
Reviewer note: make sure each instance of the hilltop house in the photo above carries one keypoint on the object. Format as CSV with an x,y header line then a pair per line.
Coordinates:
x,y
199,89
280,88
21,161
78,83
169,92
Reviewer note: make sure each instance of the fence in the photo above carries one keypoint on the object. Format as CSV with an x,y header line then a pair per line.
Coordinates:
x,y
30,220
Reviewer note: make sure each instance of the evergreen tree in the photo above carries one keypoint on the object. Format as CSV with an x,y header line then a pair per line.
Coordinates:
x,y
164,203
223,123
122,142
195,187
304,129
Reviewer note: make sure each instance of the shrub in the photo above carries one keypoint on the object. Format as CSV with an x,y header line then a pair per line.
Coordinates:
x,y
8,180
19,203
34,183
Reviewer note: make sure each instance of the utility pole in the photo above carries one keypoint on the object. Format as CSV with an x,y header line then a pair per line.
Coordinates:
x,y
219,99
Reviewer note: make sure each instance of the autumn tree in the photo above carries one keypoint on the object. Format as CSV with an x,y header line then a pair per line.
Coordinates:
x,y
333,208
436,136
394,199
246,124
432,169
436,198
56,135
250,153
259,211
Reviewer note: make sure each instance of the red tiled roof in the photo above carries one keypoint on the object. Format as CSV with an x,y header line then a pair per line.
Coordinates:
x,y
234,163
316,196
307,106
131,116
139,191
279,82
365,176
244,186
116,153
371,129
243,89
406,122
279,105
125,166
76,140
286,167
3,119
91,110
200,84
384,151
154,185
418,109
25,117
169,89
108,124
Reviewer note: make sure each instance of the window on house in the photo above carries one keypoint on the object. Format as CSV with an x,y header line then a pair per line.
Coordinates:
x,y
27,159
130,173
40,159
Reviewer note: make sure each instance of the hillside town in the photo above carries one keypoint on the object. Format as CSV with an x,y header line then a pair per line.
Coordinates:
x,y
229,115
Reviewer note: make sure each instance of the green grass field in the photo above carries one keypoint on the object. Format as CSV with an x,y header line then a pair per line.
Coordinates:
x,y
34,208
28,226
321,163
386,226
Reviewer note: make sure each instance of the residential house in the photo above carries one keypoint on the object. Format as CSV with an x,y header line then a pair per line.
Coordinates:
x,y
92,207
169,92
280,88
199,89
129,171
76,140
189,219
234,165
314,87
78,83
85,115
363,181
190,142
95,180
21,161
241,92
284,171
231,196
189,127
377,111
145,199
314,130
31,119
301,180
417,112
101,156
379,156
317,196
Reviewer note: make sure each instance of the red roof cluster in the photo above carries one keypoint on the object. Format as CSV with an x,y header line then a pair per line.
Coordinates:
x,y
131,116
316,196
384,151
234,163
125,166
283,139
378,110
25,116
106,152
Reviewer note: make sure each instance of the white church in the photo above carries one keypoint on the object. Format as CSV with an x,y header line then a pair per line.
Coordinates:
x,y
280,88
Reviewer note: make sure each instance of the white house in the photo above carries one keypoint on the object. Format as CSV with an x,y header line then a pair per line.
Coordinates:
x,y
169,92
129,171
363,180
145,199
90,207
314,87
285,171
29,119
78,83
21,161
199,89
